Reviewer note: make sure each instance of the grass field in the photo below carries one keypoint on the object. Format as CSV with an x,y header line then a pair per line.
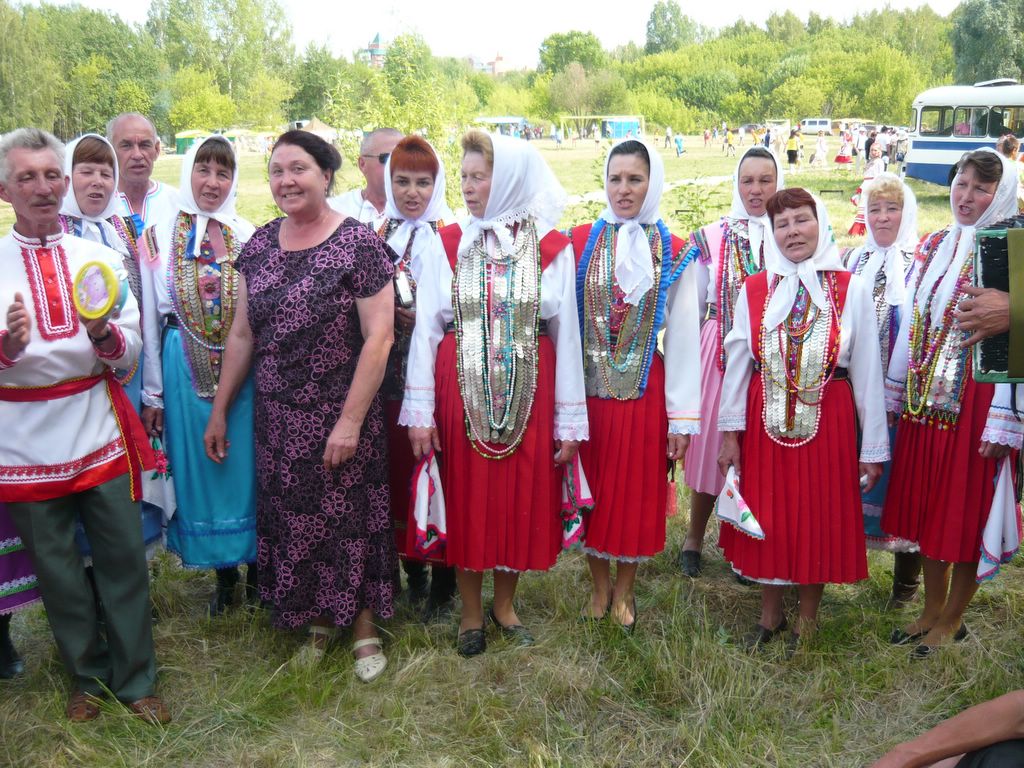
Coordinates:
x,y
678,692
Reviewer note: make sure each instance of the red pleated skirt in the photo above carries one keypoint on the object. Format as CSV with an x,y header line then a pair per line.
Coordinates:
x,y
401,464
501,513
941,489
806,499
625,464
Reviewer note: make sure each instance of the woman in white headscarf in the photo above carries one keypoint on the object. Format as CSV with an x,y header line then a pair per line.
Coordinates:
x,y
803,370
885,264
953,431
728,252
495,377
89,211
191,293
414,189
632,281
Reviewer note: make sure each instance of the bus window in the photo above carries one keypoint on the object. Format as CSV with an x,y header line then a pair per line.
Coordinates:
x,y
913,119
1006,120
937,121
970,121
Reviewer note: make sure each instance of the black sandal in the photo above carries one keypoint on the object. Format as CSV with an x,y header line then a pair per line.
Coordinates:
x,y
472,642
761,635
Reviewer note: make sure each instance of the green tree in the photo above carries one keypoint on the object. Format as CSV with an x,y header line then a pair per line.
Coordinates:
x,y
196,103
988,40
25,100
131,96
668,28
785,28
263,103
316,75
561,49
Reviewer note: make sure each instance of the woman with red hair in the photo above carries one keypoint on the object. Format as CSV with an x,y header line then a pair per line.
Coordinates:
x,y
803,370
414,188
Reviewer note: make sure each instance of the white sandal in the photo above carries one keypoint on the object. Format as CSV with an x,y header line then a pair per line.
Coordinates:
x,y
369,668
312,653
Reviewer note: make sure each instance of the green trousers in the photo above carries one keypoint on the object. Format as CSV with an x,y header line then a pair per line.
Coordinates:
x,y
121,660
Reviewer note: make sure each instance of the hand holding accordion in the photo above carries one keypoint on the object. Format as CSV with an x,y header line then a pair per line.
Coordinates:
x,y
998,265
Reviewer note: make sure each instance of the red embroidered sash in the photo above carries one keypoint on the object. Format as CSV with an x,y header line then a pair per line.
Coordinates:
x,y
138,451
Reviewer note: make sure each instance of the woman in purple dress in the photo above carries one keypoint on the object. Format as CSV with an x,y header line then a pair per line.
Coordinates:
x,y
315,318
17,590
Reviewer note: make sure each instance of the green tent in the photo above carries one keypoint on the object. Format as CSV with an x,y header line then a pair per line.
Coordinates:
x,y
185,139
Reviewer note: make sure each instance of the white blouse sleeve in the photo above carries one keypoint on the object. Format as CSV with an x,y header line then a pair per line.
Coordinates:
x,y
433,312
682,354
899,358
1003,426
732,408
863,359
151,270
559,279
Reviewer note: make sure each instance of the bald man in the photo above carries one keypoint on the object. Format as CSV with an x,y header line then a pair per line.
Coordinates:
x,y
143,199
367,204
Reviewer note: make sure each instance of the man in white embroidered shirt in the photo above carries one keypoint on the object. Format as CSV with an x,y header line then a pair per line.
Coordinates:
x,y
367,204
142,199
71,444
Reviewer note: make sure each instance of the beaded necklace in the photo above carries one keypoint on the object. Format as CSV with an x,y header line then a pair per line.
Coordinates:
x,y
885,313
936,365
619,339
801,349
735,264
496,302
203,295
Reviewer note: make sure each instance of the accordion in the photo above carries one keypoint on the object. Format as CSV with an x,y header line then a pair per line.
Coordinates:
x,y
999,264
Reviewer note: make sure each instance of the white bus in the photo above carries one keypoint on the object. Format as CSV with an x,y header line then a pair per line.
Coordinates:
x,y
954,119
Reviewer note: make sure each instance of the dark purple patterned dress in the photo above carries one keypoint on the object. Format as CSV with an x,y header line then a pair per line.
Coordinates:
x,y
325,541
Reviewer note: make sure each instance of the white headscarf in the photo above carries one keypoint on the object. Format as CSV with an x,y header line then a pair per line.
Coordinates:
x,y
825,258
891,259
947,263
437,210
757,226
634,269
522,186
226,214
96,228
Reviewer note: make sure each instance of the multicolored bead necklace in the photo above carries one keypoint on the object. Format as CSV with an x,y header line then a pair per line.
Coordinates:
x,y
735,264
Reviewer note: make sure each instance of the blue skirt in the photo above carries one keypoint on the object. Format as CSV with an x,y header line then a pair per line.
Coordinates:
x,y
152,515
873,502
215,523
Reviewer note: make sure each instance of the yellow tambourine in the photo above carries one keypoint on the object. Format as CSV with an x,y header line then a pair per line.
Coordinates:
x,y
98,290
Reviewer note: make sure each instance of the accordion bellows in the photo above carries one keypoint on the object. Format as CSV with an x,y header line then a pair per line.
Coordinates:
x,y
999,264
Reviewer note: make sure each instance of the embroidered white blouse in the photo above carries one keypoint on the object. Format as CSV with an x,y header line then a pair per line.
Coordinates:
x,y
557,306
69,443
858,353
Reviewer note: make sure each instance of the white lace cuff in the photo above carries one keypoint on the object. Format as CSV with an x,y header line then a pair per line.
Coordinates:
x,y
732,422
571,421
153,401
875,454
895,392
683,424
1003,427
417,408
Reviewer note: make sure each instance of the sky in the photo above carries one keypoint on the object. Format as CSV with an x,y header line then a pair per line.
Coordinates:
x,y
514,29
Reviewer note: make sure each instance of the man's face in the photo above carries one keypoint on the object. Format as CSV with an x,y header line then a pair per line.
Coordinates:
x,y
137,149
35,187
371,166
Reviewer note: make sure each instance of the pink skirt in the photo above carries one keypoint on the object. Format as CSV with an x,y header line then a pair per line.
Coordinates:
x,y
701,460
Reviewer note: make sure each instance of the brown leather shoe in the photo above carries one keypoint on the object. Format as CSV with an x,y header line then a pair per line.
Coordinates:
x,y
151,709
82,707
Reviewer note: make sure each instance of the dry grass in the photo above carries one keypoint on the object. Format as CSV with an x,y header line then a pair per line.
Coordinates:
x,y
679,692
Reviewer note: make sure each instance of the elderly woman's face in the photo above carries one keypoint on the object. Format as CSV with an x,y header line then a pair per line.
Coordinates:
x,y
476,182
211,185
971,196
412,191
297,183
92,185
884,217
796,233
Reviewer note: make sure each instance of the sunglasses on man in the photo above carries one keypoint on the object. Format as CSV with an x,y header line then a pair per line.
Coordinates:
x,y
382,158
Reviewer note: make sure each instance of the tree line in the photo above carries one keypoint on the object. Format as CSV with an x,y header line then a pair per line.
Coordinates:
x,y
211,64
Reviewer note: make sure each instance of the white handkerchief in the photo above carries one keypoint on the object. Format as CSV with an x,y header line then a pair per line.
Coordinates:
x,y
1001,538
732,509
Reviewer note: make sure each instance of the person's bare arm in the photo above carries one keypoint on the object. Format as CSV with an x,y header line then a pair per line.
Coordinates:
x,y
993,721
377,320
237,358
